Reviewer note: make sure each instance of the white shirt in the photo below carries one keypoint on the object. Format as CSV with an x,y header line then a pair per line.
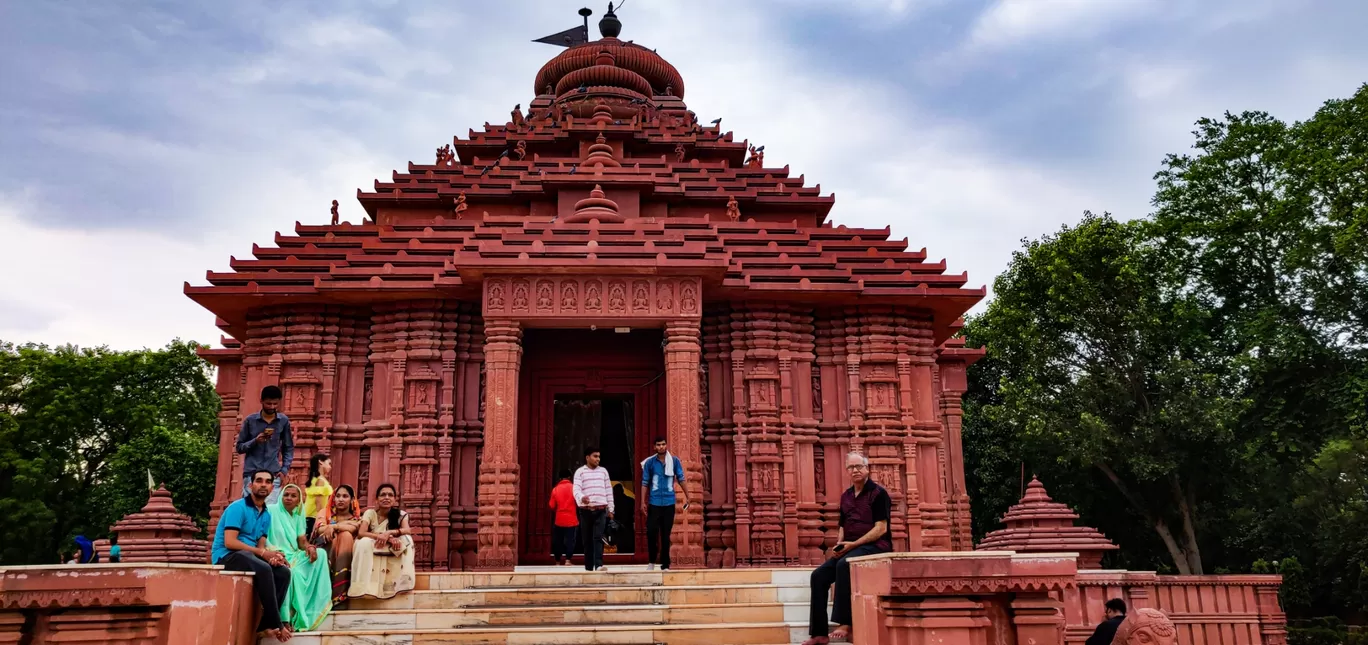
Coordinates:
x,y
594,484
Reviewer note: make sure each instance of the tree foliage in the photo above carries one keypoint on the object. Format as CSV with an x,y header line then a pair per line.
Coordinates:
x,y
79,429
1194,382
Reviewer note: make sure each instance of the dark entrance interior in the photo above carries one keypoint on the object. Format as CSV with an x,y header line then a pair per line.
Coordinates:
x,y
582,387
607,423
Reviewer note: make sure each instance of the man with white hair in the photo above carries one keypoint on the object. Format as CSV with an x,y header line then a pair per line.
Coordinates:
x,y
865,512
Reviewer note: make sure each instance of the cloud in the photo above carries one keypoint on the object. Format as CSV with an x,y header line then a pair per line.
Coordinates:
x,y
1012,22
150,146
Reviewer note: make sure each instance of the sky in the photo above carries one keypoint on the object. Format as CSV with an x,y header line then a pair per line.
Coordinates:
x,y
144,143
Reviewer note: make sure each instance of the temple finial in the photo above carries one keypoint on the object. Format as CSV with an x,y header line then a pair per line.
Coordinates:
x,y
609,25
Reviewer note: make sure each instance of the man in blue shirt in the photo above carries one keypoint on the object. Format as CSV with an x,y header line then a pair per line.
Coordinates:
x,y
267,442
660,474
240,545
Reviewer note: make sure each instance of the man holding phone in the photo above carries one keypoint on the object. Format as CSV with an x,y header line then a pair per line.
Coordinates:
x,y
660,474
267,443
865,512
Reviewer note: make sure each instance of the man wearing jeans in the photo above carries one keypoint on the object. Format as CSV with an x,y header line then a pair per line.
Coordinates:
x,y
267,443
865,511
594,494
660,473
240,545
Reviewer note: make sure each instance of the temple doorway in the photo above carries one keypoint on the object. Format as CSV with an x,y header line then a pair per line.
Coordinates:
x,y
581,388
606,423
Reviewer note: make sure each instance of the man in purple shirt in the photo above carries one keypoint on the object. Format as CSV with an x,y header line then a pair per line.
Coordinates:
x,y
865,511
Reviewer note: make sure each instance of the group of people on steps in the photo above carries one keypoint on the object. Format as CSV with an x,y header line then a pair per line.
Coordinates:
x,y
308,548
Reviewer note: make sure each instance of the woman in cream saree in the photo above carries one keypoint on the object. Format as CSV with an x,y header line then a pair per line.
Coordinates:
x,y
382,564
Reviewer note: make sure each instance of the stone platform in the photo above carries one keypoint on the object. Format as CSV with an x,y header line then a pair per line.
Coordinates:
x,y
570,605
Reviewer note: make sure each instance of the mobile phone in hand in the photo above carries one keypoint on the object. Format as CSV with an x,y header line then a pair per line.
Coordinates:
x,y
839,548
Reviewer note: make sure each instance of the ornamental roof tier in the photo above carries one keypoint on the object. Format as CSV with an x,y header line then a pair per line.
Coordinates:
x,y
607,173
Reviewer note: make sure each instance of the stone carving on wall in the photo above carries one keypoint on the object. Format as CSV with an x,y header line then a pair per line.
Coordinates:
x,y
655,297
1146,626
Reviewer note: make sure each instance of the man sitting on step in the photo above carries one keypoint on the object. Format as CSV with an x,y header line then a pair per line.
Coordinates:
x,y
865,512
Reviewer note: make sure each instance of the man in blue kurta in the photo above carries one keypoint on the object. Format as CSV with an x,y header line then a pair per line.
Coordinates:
x,y
660,474
240,545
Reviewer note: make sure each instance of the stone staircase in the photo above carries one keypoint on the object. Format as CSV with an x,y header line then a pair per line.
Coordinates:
x,y
625,605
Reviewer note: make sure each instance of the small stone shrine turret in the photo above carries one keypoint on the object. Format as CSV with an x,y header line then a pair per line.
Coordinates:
x,y
157,533
1038,524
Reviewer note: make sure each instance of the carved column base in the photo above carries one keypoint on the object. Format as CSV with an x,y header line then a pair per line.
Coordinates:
x,y
498,517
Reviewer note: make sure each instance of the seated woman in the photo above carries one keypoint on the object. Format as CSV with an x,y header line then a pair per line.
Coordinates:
x,y
382,564
310,596
336,530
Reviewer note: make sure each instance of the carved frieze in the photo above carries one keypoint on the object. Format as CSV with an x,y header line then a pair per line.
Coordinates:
x,y
583,297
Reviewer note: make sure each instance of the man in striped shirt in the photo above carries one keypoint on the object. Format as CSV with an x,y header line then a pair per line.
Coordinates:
x,y
594,495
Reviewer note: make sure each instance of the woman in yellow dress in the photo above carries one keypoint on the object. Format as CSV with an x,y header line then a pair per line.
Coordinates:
x,y
382,562
318,491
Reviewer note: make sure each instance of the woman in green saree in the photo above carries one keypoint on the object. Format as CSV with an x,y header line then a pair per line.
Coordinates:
x,y
310,596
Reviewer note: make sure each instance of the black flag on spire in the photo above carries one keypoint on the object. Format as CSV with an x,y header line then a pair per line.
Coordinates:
x,y
572,36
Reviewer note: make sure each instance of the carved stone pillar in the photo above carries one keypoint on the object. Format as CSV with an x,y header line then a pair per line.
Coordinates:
x,y
685,434
498,488
1038,618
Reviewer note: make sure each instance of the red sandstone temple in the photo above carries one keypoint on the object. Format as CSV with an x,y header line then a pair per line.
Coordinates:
x,y
602,270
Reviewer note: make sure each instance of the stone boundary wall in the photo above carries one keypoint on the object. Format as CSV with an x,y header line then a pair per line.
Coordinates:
x,y
148,604
1206,610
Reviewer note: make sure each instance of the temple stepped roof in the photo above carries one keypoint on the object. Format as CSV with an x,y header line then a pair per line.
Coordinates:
x,y
1038,524
608,172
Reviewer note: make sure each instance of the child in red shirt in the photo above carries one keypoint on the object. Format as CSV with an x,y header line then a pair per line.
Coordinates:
x,y
563,533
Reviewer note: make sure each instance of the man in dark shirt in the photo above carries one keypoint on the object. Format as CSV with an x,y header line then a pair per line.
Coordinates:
x,y
267,442
865,512
1106,630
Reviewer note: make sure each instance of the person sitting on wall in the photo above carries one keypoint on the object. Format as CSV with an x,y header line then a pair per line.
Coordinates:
x,y
88,553
115,553
1106,630
336,531
310,596
382,563
566,524
240,545
866,510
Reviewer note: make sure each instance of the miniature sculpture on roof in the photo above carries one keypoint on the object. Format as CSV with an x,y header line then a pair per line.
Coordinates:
x,y
424,346
1038,524
159,533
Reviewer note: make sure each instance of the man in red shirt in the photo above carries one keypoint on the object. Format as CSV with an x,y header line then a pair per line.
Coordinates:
x,y
567,519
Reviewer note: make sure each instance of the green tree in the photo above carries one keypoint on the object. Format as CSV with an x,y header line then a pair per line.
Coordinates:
x,y
77,426
1102,367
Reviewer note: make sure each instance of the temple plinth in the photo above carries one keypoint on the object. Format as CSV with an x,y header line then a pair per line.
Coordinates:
x,y
1038,524
158,533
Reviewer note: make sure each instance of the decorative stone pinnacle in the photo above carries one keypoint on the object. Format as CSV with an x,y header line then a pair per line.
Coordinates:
x,y
1038,524
159,533
596,206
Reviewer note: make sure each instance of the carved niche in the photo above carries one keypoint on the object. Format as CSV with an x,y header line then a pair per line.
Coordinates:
x,y
299,394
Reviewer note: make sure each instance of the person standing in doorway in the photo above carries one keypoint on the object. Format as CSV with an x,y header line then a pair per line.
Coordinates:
x,y
660,474
267,443
593,490
567,519
865,513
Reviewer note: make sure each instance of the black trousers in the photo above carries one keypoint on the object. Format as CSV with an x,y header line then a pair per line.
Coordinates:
x,y
659,523
833,571
591,527
563,542
270,584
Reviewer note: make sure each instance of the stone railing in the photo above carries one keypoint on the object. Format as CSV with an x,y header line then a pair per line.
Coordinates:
x,y
977,597
153,604
1206,610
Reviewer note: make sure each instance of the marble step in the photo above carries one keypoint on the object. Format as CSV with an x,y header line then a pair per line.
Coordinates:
x,y
586,595
574,576
690,634
568,616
